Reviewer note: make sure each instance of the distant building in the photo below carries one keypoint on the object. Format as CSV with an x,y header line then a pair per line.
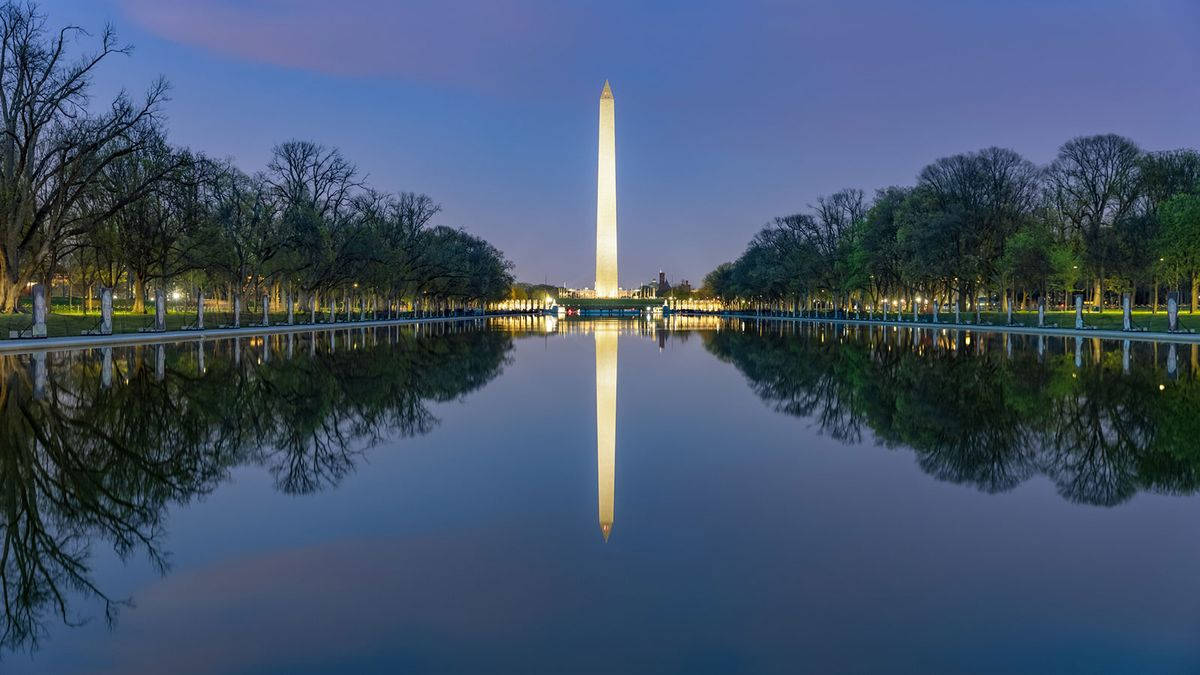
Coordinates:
x,y
663,285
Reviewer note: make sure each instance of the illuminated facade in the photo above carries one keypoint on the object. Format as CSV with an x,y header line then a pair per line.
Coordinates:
x,y
606,423
606,200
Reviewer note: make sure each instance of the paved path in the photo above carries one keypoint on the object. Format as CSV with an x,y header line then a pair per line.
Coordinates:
x,y
1139,336
87,341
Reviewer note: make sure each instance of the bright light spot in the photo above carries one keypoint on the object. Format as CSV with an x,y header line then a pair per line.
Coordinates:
x,y
1161,387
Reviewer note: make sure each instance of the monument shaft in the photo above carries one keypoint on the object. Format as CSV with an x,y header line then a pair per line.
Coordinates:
x,y
606,200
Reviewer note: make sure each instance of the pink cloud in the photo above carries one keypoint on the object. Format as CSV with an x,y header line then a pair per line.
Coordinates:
x,y
457,43
331,601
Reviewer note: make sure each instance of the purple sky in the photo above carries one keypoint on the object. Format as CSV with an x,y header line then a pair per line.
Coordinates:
x,y
728,114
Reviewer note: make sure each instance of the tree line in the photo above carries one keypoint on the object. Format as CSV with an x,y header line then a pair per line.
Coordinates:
x,y
101,198
1105,217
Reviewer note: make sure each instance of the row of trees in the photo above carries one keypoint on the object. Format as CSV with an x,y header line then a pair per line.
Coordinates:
x,y
103,199
1104,216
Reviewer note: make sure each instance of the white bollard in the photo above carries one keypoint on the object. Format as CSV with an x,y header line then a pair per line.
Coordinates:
x,y
39,312
106,313
160,309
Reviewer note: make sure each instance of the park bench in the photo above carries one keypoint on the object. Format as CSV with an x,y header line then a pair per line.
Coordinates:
x,y
227,321
95,330
150,328
26,332
1180,328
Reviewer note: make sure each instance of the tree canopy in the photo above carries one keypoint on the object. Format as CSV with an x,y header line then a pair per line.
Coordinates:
x,y
987,226
99,196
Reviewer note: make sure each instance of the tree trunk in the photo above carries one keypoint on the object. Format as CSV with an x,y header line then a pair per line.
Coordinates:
x,y
139,295
10,291
1195,293
10,288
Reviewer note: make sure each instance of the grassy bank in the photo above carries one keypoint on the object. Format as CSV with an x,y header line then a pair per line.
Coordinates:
x,y
1107,320
64,323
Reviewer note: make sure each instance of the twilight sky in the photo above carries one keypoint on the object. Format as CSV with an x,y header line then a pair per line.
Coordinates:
x,y
728,113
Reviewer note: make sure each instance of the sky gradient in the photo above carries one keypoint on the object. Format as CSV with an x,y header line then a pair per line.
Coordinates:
x,y
727,114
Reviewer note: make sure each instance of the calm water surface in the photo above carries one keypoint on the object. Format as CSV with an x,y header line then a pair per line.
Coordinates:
x,y
595,497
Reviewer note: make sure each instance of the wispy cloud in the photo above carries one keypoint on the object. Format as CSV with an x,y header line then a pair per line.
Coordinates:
x,y
482,43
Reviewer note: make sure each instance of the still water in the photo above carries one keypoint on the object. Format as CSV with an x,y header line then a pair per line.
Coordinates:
x,y
529,496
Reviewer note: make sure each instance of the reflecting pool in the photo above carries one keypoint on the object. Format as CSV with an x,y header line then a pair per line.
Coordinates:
x,y
575,496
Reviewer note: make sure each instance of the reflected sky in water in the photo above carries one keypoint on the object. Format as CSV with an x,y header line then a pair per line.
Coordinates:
x,y
781,498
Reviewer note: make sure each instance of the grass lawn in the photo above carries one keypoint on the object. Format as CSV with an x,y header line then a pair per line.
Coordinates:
x,y
1107,320
66,322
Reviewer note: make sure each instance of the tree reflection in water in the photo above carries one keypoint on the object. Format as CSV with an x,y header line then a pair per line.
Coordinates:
x,y
96,445
1102,420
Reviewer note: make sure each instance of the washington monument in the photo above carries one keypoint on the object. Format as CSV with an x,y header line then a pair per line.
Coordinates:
x,y
606,200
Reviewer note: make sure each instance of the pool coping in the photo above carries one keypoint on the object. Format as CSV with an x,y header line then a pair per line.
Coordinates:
x,y
1055,331
23,345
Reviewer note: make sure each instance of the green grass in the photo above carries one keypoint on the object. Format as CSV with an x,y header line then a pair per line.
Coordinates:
x,y
1109,319
63,321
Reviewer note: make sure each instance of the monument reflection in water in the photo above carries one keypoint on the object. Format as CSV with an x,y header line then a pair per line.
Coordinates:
x,y
606,422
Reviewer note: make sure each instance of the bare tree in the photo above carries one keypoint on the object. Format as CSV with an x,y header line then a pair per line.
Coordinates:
x,y
53,149
993,190
308,174
835,216
1095,183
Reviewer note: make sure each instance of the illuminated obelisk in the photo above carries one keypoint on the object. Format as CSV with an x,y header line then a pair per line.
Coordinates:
x,y
606,200
606,423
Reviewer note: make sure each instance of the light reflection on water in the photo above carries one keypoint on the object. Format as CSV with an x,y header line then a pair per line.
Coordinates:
x,y
754,537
